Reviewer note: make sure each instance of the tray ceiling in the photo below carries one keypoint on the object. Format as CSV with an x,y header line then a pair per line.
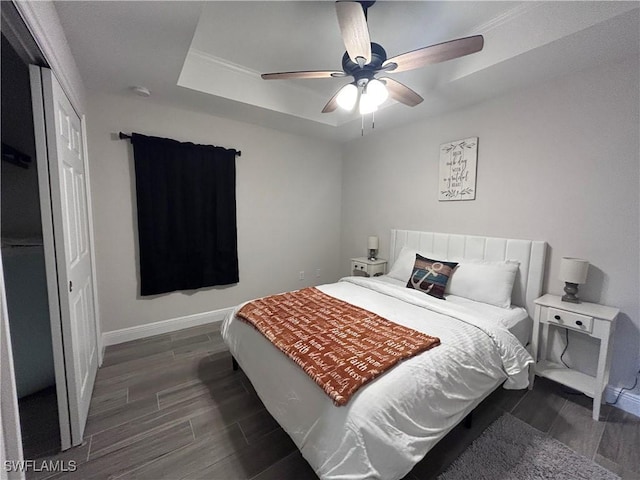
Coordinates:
x,y
209,55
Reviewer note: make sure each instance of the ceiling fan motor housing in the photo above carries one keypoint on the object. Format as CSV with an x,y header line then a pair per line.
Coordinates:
x,y
366,73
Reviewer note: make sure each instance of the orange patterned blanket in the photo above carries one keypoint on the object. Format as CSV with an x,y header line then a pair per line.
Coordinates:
x,y
340,346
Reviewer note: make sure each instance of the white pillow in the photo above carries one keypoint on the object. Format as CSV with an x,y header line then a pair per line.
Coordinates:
x,y
484,281
402,268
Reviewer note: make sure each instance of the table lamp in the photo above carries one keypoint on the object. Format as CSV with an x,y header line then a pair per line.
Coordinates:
x,y
573,271
373,247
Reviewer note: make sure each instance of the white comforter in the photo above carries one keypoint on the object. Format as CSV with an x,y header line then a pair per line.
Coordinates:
x,y
390,424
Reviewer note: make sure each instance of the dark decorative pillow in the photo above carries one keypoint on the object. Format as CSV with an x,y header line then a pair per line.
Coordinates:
x,y
430,276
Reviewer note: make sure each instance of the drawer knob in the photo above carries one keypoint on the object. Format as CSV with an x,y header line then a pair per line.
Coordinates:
x,y
557,317
579,322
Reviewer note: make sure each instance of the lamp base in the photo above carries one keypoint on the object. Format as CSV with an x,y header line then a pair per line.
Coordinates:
x,y
372,254
571,293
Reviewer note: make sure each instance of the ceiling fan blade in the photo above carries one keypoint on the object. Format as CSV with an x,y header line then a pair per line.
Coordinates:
x,y
332,104
302,75
440,52
355,32
401,93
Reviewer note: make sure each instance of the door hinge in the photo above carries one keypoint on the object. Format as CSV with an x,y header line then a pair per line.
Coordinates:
x,y
70,286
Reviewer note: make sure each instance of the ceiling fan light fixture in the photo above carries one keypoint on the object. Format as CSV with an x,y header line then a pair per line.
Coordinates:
x,y
367,103
348,96
378,91
364,60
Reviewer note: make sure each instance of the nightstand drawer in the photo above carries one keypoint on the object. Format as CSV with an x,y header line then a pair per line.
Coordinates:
x,y
359,266
370,268
572,320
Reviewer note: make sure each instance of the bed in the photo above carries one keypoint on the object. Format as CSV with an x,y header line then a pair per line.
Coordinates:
x,y
393,421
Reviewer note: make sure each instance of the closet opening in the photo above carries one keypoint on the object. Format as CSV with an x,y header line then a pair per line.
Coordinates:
x,y
24,263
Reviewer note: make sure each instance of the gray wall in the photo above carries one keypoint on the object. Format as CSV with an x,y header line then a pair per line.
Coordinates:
x,y
288,208
558,162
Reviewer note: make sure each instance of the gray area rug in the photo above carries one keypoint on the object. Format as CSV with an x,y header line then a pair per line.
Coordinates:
x,y
511,449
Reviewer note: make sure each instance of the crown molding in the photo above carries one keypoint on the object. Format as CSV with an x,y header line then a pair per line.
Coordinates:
x,y
218,62
223,63
504,17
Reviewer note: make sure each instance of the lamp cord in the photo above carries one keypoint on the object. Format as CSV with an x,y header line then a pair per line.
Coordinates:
x,y
566,331
635,383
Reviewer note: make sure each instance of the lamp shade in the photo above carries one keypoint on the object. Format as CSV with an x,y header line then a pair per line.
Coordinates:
x,y
378,91
573,270
348,96
367,104
373,243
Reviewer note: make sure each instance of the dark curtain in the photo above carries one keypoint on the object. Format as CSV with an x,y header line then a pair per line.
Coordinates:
x,y
186,215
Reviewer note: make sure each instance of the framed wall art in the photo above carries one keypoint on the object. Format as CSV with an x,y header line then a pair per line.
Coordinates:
x,y
458,162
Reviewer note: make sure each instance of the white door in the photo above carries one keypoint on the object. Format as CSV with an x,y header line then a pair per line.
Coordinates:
x,y
64,152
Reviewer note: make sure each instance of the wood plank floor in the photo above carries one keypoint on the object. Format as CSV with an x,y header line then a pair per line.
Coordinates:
x,y
171,407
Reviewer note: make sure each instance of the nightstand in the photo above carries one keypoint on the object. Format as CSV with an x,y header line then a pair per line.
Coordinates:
x,y
371,268
591,319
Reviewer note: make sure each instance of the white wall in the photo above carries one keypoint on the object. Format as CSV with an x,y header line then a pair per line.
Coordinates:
x,y
558,162
288,208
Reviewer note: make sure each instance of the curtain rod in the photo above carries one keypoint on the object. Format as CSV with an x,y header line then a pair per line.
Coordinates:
x,y
124,136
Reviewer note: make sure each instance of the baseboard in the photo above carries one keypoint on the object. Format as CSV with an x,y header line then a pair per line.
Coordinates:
x,y
164,326
629,401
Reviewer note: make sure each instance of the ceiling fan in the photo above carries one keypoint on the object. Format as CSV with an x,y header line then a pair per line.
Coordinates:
x,y
364,60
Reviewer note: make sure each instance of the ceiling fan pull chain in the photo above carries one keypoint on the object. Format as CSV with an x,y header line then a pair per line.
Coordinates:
x,y
373,120
362,126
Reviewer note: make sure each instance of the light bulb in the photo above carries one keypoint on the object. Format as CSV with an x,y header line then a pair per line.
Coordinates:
x,y
347,96
367,104
378,91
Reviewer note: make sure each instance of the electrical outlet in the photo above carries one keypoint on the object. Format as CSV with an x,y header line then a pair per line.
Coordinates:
x,y
301,275
317,273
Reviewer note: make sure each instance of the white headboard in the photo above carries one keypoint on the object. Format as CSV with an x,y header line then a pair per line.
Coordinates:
x,y
530,254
